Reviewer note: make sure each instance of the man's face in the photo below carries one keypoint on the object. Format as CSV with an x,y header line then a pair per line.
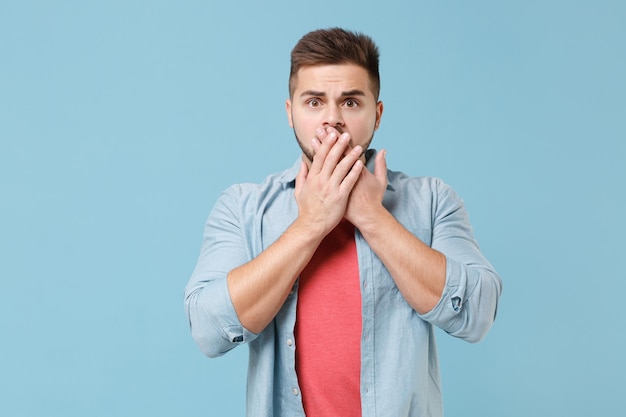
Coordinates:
x,y
336,96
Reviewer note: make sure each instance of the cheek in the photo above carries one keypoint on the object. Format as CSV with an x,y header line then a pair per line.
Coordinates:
x,y
364,128
303,124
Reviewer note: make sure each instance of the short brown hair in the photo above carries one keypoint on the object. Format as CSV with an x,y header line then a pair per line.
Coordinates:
x,y
336,46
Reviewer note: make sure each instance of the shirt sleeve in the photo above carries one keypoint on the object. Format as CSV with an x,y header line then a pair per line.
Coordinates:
x,y
469,302
212,317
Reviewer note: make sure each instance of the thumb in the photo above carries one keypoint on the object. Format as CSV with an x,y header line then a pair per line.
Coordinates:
x,y
380,167
301,177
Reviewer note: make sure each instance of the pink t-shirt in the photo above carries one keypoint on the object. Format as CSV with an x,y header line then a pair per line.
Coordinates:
x,y
328,328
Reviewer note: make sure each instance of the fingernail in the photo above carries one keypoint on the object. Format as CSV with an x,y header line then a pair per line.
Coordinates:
x,y
320,131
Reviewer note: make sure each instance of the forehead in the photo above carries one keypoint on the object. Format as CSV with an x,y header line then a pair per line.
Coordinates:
x,y
328,78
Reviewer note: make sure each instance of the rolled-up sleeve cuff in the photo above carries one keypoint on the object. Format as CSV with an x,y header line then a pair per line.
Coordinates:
x,y
214,321
226,317
451,302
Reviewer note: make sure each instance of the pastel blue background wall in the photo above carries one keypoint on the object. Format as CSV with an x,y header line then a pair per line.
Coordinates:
x,y
121,121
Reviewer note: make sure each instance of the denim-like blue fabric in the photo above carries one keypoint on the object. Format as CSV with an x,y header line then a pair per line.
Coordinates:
x,y
399,362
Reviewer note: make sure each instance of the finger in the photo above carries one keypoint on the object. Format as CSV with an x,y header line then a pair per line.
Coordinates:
x,y
315,142
324,159
350,145
344,167
321,133
321,152
339,132
336,130
380,167
340,150
352,177
316,147
301,177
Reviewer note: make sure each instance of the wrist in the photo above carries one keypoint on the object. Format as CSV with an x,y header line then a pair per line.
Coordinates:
x,y
310,231
370,220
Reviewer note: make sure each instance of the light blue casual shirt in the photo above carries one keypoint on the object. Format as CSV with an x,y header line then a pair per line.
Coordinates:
x,y
399,363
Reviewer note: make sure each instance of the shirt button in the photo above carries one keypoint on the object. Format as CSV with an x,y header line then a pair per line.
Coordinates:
x,y
295,391
289,342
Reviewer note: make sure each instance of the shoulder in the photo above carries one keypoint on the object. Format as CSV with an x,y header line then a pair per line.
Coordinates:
x,y
247,193
426,185
424,192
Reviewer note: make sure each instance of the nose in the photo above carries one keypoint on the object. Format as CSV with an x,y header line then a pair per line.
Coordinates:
x,y
334,118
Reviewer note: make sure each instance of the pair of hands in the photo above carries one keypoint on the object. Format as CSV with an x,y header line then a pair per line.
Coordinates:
x,y
337,184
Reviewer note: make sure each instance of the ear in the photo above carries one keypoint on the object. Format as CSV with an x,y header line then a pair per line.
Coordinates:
x,y
288,110
379,114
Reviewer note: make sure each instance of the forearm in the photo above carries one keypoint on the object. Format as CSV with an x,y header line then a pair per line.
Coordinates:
x,y
259,288
418,270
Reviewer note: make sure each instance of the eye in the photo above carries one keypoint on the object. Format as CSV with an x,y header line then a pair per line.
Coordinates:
x,y
313,102
351,103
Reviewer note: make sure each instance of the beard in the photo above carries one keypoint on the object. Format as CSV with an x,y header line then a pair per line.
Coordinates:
x,y
310,154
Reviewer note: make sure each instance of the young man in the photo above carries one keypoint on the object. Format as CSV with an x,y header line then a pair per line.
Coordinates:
x,y
335,270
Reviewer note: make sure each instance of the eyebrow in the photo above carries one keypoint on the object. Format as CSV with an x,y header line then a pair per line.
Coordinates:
x,y
350,93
